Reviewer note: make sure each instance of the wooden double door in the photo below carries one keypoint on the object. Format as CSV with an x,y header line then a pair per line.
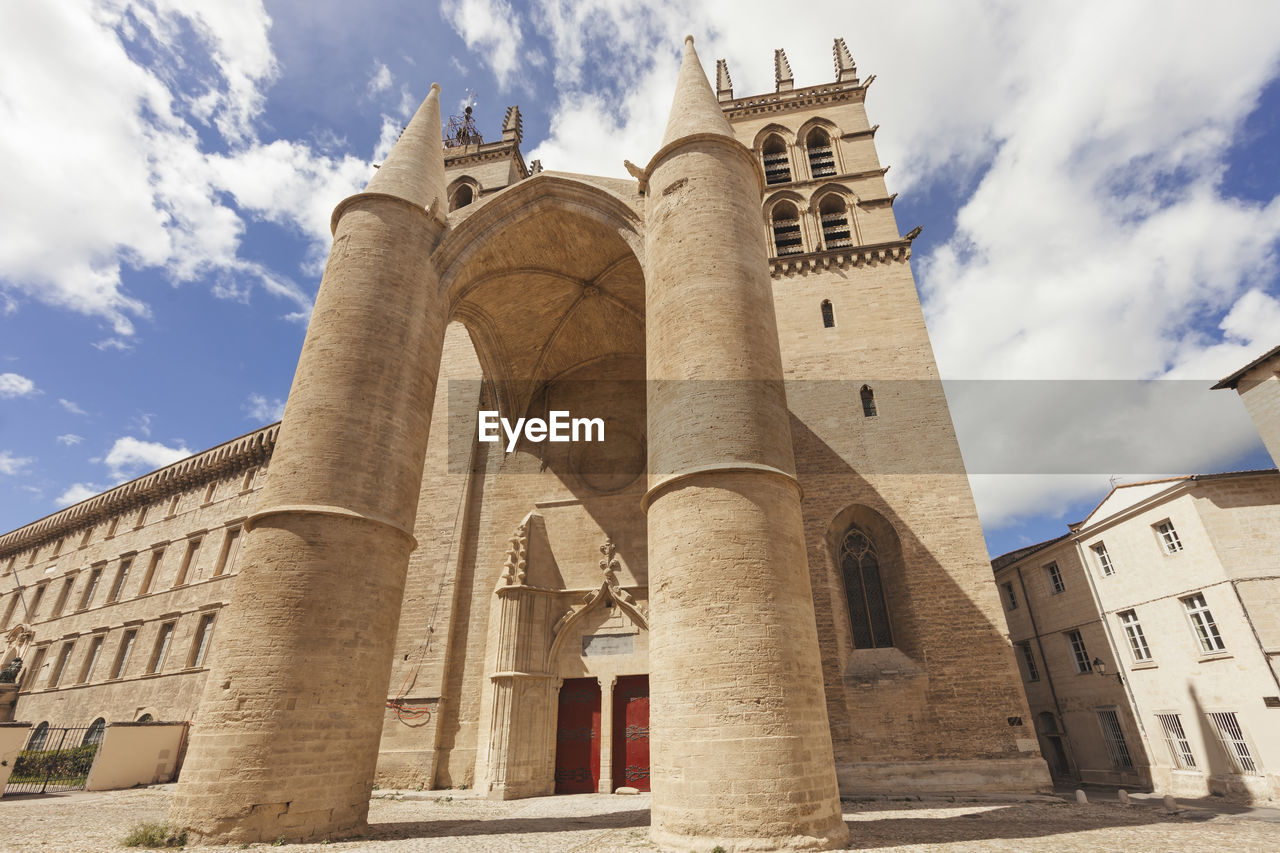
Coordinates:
x,y
578,740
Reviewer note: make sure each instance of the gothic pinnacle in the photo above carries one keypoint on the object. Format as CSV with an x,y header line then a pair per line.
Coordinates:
x,y
414,170
694,109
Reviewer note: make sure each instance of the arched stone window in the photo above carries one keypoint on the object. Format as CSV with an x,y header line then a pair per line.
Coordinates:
x,y
822,159
146,718
868,402
786,229
828,314
777,167
868,615
462,197
96,730
836,230
38,736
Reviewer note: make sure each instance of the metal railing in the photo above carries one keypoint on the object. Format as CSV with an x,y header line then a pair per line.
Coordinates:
x,y
55,760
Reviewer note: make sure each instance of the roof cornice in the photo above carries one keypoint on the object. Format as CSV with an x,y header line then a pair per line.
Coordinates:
x,y
895,251
809,96
236,455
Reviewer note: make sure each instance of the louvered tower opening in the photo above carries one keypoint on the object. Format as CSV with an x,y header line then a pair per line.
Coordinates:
x,y
777,166
822,159
836,230
786,230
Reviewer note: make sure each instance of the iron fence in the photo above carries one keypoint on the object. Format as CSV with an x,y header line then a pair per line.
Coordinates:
x,y
55,759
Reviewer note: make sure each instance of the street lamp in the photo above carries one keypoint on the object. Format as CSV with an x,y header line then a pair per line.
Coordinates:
x,y
1100,668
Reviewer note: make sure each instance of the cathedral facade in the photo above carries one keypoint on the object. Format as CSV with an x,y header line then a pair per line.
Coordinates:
x,y
767,583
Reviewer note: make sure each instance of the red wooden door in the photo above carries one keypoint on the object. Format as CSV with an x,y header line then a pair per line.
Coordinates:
x,y
631,732
578,737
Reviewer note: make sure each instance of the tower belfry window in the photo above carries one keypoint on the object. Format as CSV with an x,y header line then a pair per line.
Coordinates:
x,y
822,159
836,232
786,230
777,167
828,314
868,402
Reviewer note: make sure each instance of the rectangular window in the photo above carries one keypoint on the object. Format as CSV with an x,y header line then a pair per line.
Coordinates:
x,y
152,565
122,575
63,595
1055,578
1113,735
122,656
200,648
61,666
91,659
209,492
1168,537
1104,560
8,612
248,479
161,650
29,676
1029,660
173,506
189,560
1133,630
1234,741
57,546
1206,630
86,600
142,517
1010,600
36,598
1176,738
1078,652
111,528
230,547
84,540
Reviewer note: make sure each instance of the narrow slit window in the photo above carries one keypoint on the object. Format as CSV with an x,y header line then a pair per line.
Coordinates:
x,y
200,648
822,159
868,402
190,561
836,231
61,666
230,548
91,659
149,578
777,167
122,575
786,230
162,648
828,315
122,656
91,588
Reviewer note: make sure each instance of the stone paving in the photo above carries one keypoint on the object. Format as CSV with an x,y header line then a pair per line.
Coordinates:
x,y
460,821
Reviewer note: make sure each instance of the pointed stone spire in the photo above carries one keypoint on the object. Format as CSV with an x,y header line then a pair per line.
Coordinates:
x,y
694,108
513,125
782,71
845,67
724,83
414,170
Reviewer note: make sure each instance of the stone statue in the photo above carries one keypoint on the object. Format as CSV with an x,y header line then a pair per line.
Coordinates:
x,y
9,675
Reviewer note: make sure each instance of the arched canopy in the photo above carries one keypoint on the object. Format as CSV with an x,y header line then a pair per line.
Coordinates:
x,y
547,276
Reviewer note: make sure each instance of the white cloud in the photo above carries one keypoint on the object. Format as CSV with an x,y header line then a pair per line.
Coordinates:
x,y
259,408
71,407
130,457
381,79
10,464
70,439
491,27
14,385
77,492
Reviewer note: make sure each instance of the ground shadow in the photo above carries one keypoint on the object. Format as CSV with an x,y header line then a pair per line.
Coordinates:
x,y
467,827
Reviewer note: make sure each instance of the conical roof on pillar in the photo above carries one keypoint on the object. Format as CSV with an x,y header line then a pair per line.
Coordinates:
x,y
414,170
694,109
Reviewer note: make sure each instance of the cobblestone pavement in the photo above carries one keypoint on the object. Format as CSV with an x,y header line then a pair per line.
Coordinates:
x,y
460,821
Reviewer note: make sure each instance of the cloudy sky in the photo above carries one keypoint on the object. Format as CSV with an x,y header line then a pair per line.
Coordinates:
x,y
1099,185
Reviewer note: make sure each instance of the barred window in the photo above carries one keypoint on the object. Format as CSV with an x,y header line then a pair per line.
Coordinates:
x,y
1234,741
1176,738
868,615
1113,736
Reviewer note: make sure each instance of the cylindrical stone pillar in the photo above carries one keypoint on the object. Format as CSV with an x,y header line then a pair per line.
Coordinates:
x,y
741,749
285,742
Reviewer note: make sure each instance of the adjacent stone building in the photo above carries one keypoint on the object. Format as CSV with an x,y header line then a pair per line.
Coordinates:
x,y
778,519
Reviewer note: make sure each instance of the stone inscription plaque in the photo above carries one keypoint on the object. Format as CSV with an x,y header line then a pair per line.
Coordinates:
x,y
608,644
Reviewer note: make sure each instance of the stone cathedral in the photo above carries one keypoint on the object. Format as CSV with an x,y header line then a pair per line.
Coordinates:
x,y
765,587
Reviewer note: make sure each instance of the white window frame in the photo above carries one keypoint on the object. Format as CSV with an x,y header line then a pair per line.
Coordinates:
x,y
1138,648
1105,566
1203,626
1053,572
1167,536
1175,737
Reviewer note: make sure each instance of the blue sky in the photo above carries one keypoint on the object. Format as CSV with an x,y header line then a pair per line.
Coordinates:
x,y
1099,187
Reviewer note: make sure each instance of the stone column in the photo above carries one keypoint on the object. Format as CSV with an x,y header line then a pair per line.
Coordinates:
x,y
741,750
286,738
607,770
